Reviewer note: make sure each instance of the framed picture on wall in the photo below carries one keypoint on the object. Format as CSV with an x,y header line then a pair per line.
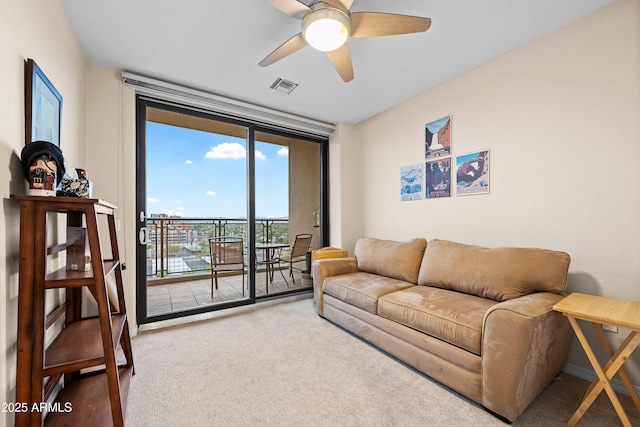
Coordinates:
x,y
43,107
438,138
411,182
438,178
472,173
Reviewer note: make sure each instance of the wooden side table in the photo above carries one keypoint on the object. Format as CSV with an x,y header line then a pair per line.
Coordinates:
x,y
604,311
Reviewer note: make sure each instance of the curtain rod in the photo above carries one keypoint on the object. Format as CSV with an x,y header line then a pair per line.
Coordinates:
x,y
216,103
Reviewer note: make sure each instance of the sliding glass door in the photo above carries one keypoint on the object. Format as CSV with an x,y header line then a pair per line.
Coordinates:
x,y
287,205
220,203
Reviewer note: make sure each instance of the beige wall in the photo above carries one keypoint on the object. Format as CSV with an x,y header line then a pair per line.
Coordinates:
x,y
560,117
345,188
111,163
304,190
38,30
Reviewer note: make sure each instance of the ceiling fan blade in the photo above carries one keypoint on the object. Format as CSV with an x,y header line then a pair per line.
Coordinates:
x,y
372,24
292,45
290,7
341,60
340,4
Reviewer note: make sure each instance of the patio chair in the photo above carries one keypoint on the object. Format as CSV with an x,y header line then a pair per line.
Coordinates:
x,y
227,254
297,253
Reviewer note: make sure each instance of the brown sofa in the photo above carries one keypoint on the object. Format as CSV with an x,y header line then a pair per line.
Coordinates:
x,y
478,320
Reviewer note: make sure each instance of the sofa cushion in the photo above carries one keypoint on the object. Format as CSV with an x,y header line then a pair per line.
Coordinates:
x,y
399,260
451,316
500,274
362,289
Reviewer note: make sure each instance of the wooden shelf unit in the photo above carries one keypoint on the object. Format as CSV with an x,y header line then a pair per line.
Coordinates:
x,y
85,356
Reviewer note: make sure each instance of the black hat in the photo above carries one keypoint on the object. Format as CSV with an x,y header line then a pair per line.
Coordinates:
x,y
37,148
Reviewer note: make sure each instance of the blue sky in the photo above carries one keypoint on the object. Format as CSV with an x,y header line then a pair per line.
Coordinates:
x,y
192,173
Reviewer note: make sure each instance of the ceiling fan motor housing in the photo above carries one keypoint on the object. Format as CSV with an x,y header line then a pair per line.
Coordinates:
x,y
326,28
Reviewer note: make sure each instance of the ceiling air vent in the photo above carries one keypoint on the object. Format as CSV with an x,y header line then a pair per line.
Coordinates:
x,y
282,86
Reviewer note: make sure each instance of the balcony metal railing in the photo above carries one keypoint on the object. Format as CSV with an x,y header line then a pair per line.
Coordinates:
x,y
179,246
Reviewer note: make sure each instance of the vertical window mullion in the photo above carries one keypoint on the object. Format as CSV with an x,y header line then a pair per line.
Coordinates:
x,y
251,209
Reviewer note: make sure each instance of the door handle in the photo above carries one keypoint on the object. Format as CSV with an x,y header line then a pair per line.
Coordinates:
x,y
143,236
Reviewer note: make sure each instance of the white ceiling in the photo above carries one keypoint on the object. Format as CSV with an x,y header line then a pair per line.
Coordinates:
x,y
215,46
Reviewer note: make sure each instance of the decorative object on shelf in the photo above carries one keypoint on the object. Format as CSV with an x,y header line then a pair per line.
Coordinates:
x,y
438,178
76,185
316,218
43,107
72,187
43,167
411,182
438,138
472,173
78,253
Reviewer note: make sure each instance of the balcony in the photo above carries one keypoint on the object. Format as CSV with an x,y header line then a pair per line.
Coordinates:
x,y
178,246
179,266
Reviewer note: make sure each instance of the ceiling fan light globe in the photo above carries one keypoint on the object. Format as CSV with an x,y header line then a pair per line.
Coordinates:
x,y
326,29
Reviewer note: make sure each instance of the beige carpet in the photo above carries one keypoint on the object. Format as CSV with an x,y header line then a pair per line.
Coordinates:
x,y
279,364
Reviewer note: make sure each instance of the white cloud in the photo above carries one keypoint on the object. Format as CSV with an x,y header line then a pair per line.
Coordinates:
x,y
284,151
231,150
227,150
211,193
152,200
189,162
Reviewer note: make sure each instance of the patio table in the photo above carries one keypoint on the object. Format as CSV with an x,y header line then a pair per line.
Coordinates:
x,y
269,249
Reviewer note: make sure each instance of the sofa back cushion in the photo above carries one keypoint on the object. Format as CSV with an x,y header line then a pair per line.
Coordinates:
x,y
499,274
398,260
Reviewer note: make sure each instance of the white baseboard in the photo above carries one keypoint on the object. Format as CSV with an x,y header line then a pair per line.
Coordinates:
x,y
589,375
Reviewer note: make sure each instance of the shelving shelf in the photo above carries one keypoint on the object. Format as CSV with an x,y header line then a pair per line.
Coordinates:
x,y
95,390
64,278
84,358
67,353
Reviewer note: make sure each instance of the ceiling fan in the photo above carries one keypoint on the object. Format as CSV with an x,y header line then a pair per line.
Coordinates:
x,y
327,24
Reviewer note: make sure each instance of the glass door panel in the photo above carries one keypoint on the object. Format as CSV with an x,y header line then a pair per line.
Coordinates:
x,y
196,187
287,204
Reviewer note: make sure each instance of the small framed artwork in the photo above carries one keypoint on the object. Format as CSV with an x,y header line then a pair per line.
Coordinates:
x,y
438,178
472,173
411,182
438,138
43,107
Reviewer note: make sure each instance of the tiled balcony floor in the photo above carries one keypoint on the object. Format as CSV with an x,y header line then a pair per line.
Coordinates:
x,y
167,298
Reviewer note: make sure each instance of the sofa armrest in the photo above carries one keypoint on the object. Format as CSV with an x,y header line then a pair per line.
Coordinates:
x,y
525,344
325,268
